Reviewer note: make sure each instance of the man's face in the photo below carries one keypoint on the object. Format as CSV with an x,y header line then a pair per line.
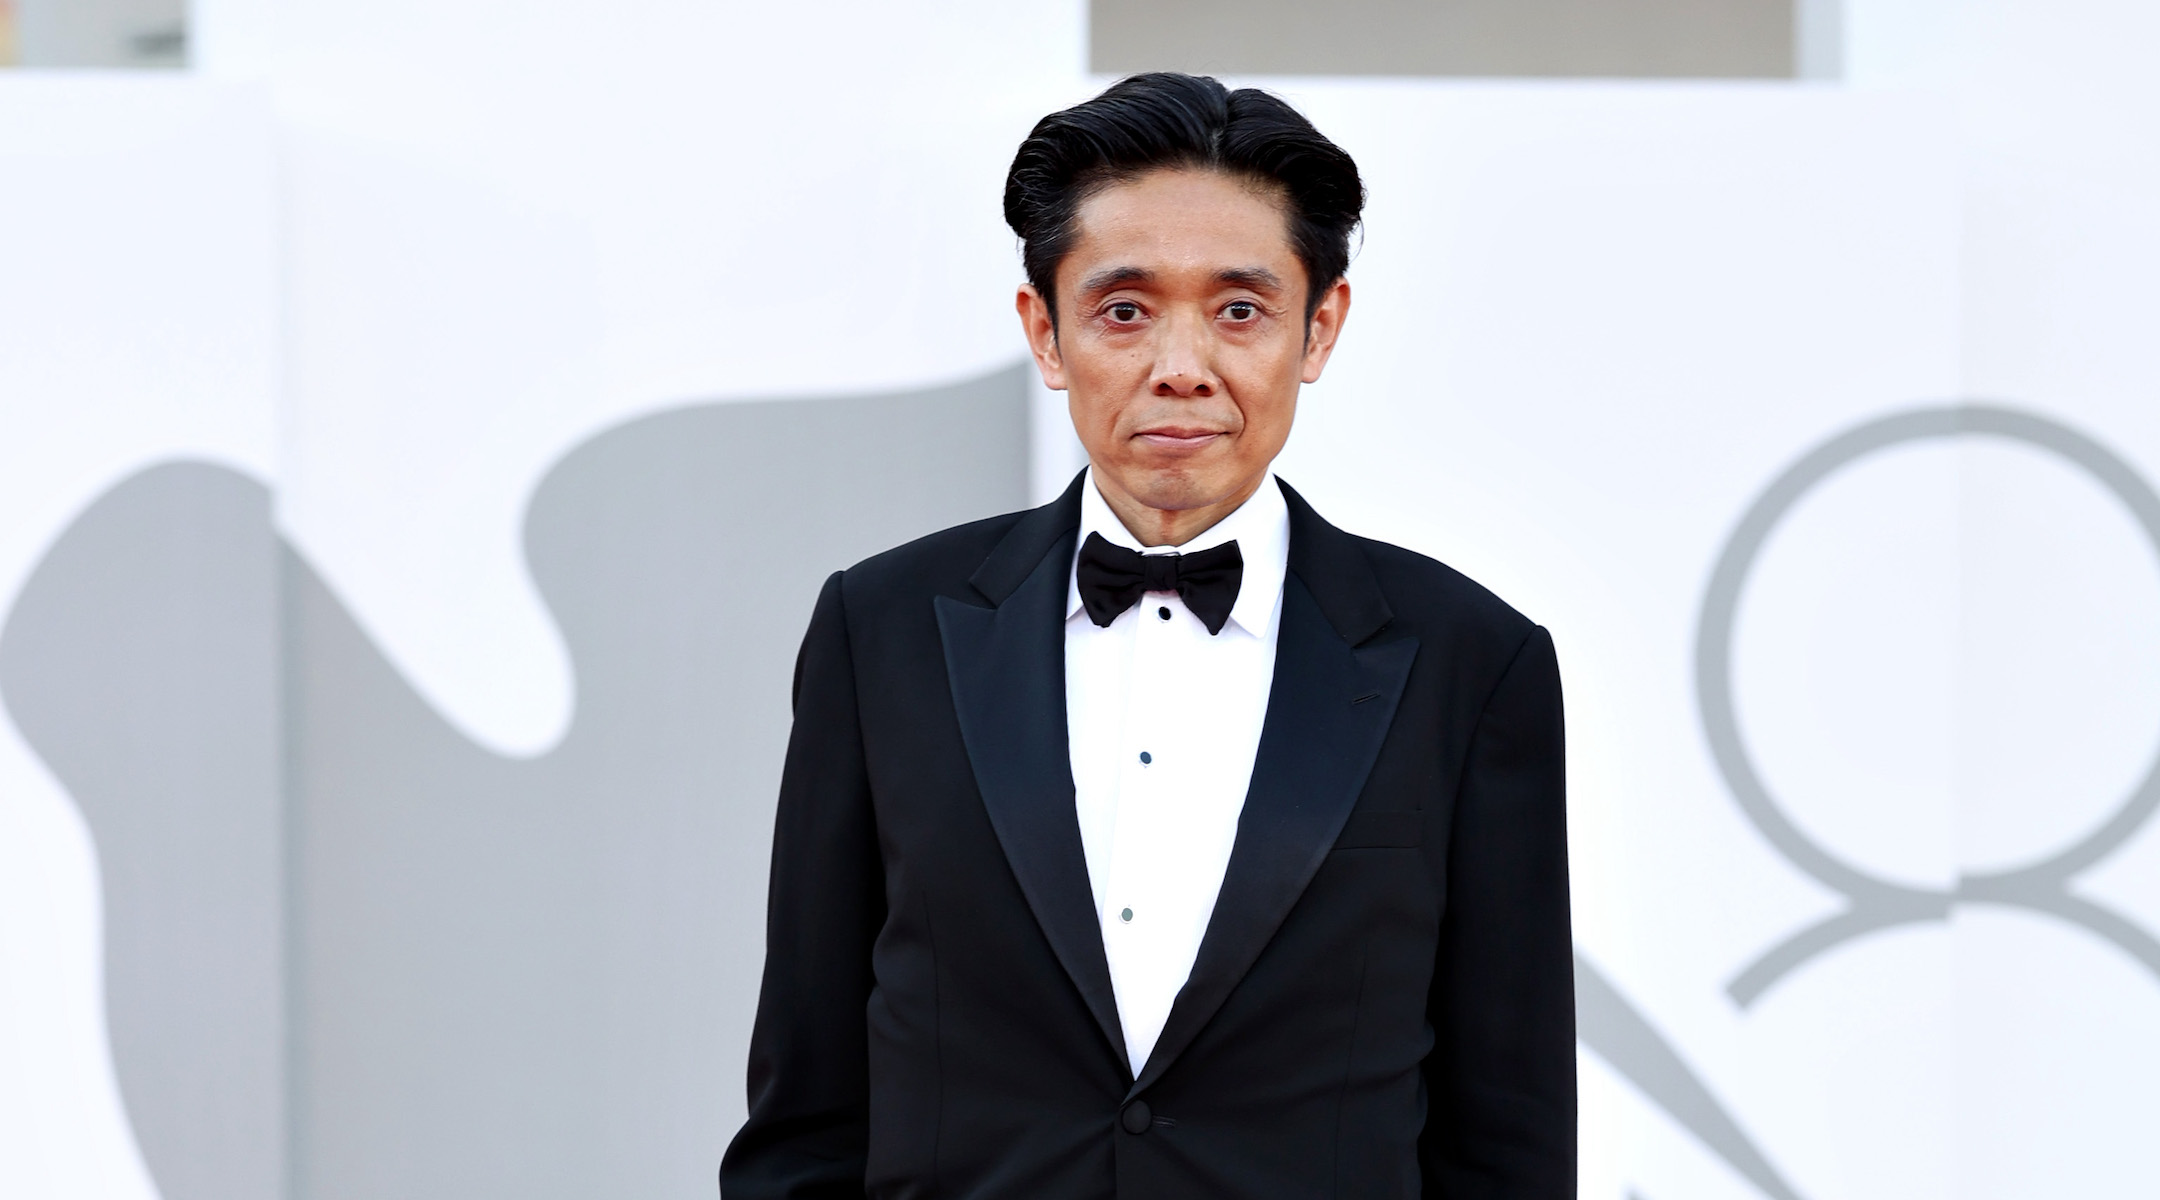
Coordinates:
x,y
1181,341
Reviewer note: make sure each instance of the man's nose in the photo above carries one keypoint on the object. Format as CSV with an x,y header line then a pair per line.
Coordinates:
x,y
1184,357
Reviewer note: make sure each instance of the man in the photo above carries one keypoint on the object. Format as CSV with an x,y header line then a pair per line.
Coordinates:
x,y
1167,841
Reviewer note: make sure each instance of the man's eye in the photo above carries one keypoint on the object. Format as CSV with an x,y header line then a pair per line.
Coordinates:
x,y
1124,312
1240,310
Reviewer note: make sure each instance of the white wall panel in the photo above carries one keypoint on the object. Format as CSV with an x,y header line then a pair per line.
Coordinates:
x,y
2058,1028
138,323
514,225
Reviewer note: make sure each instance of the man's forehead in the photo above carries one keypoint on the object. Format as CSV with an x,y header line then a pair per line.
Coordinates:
x,y
1180,224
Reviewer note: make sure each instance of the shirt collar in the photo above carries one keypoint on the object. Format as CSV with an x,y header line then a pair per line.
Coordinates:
x,y
1260,526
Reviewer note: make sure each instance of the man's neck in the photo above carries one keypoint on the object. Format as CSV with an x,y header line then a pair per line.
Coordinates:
x,y
1170,526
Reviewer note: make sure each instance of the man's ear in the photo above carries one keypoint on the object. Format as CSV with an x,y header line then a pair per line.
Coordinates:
x,y
1040,326
1325,328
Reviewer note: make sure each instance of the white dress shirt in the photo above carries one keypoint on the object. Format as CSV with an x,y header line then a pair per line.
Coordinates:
x,y
1164,722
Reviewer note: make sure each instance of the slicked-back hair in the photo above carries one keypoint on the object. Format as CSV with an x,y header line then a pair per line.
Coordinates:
x,y
1163,120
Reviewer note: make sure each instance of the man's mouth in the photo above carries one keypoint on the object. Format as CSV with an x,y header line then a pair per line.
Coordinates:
x,y
1177,438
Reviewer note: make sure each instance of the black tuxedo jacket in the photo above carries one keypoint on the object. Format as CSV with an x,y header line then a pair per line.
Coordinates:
x,y
1382,1005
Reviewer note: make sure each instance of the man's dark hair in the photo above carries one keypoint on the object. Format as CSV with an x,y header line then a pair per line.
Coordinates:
x,y
1165,119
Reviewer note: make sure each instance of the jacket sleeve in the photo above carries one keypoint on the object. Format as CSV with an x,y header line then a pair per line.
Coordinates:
x,y
1500,1081
809,1076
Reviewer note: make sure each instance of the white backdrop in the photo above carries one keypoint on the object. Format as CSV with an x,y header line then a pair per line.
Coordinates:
x,y
399,259
1589,325
138,322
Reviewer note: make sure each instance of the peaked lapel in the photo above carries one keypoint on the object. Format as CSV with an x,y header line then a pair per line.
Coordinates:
x,y
1329,709
1006,664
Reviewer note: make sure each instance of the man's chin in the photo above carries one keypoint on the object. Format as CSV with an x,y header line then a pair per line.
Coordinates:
x,y
1184,491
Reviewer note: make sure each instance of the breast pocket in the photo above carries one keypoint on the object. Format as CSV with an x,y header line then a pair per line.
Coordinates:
x,y
1382,830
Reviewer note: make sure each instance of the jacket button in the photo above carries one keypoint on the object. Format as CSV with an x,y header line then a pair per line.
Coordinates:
x,y
1136,1118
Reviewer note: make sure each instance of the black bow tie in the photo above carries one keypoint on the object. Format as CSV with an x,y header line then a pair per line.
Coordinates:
x,y
1112,579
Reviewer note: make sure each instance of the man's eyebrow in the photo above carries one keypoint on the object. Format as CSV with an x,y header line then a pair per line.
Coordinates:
x,y
1104,280
1259,279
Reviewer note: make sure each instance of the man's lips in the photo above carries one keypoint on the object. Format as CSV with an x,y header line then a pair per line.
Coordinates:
x,y
1180,439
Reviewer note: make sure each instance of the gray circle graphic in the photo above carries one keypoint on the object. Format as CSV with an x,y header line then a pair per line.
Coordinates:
x,y
1875,903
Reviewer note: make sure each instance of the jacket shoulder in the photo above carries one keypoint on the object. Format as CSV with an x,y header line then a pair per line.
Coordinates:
x,y
1430,596
937,563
